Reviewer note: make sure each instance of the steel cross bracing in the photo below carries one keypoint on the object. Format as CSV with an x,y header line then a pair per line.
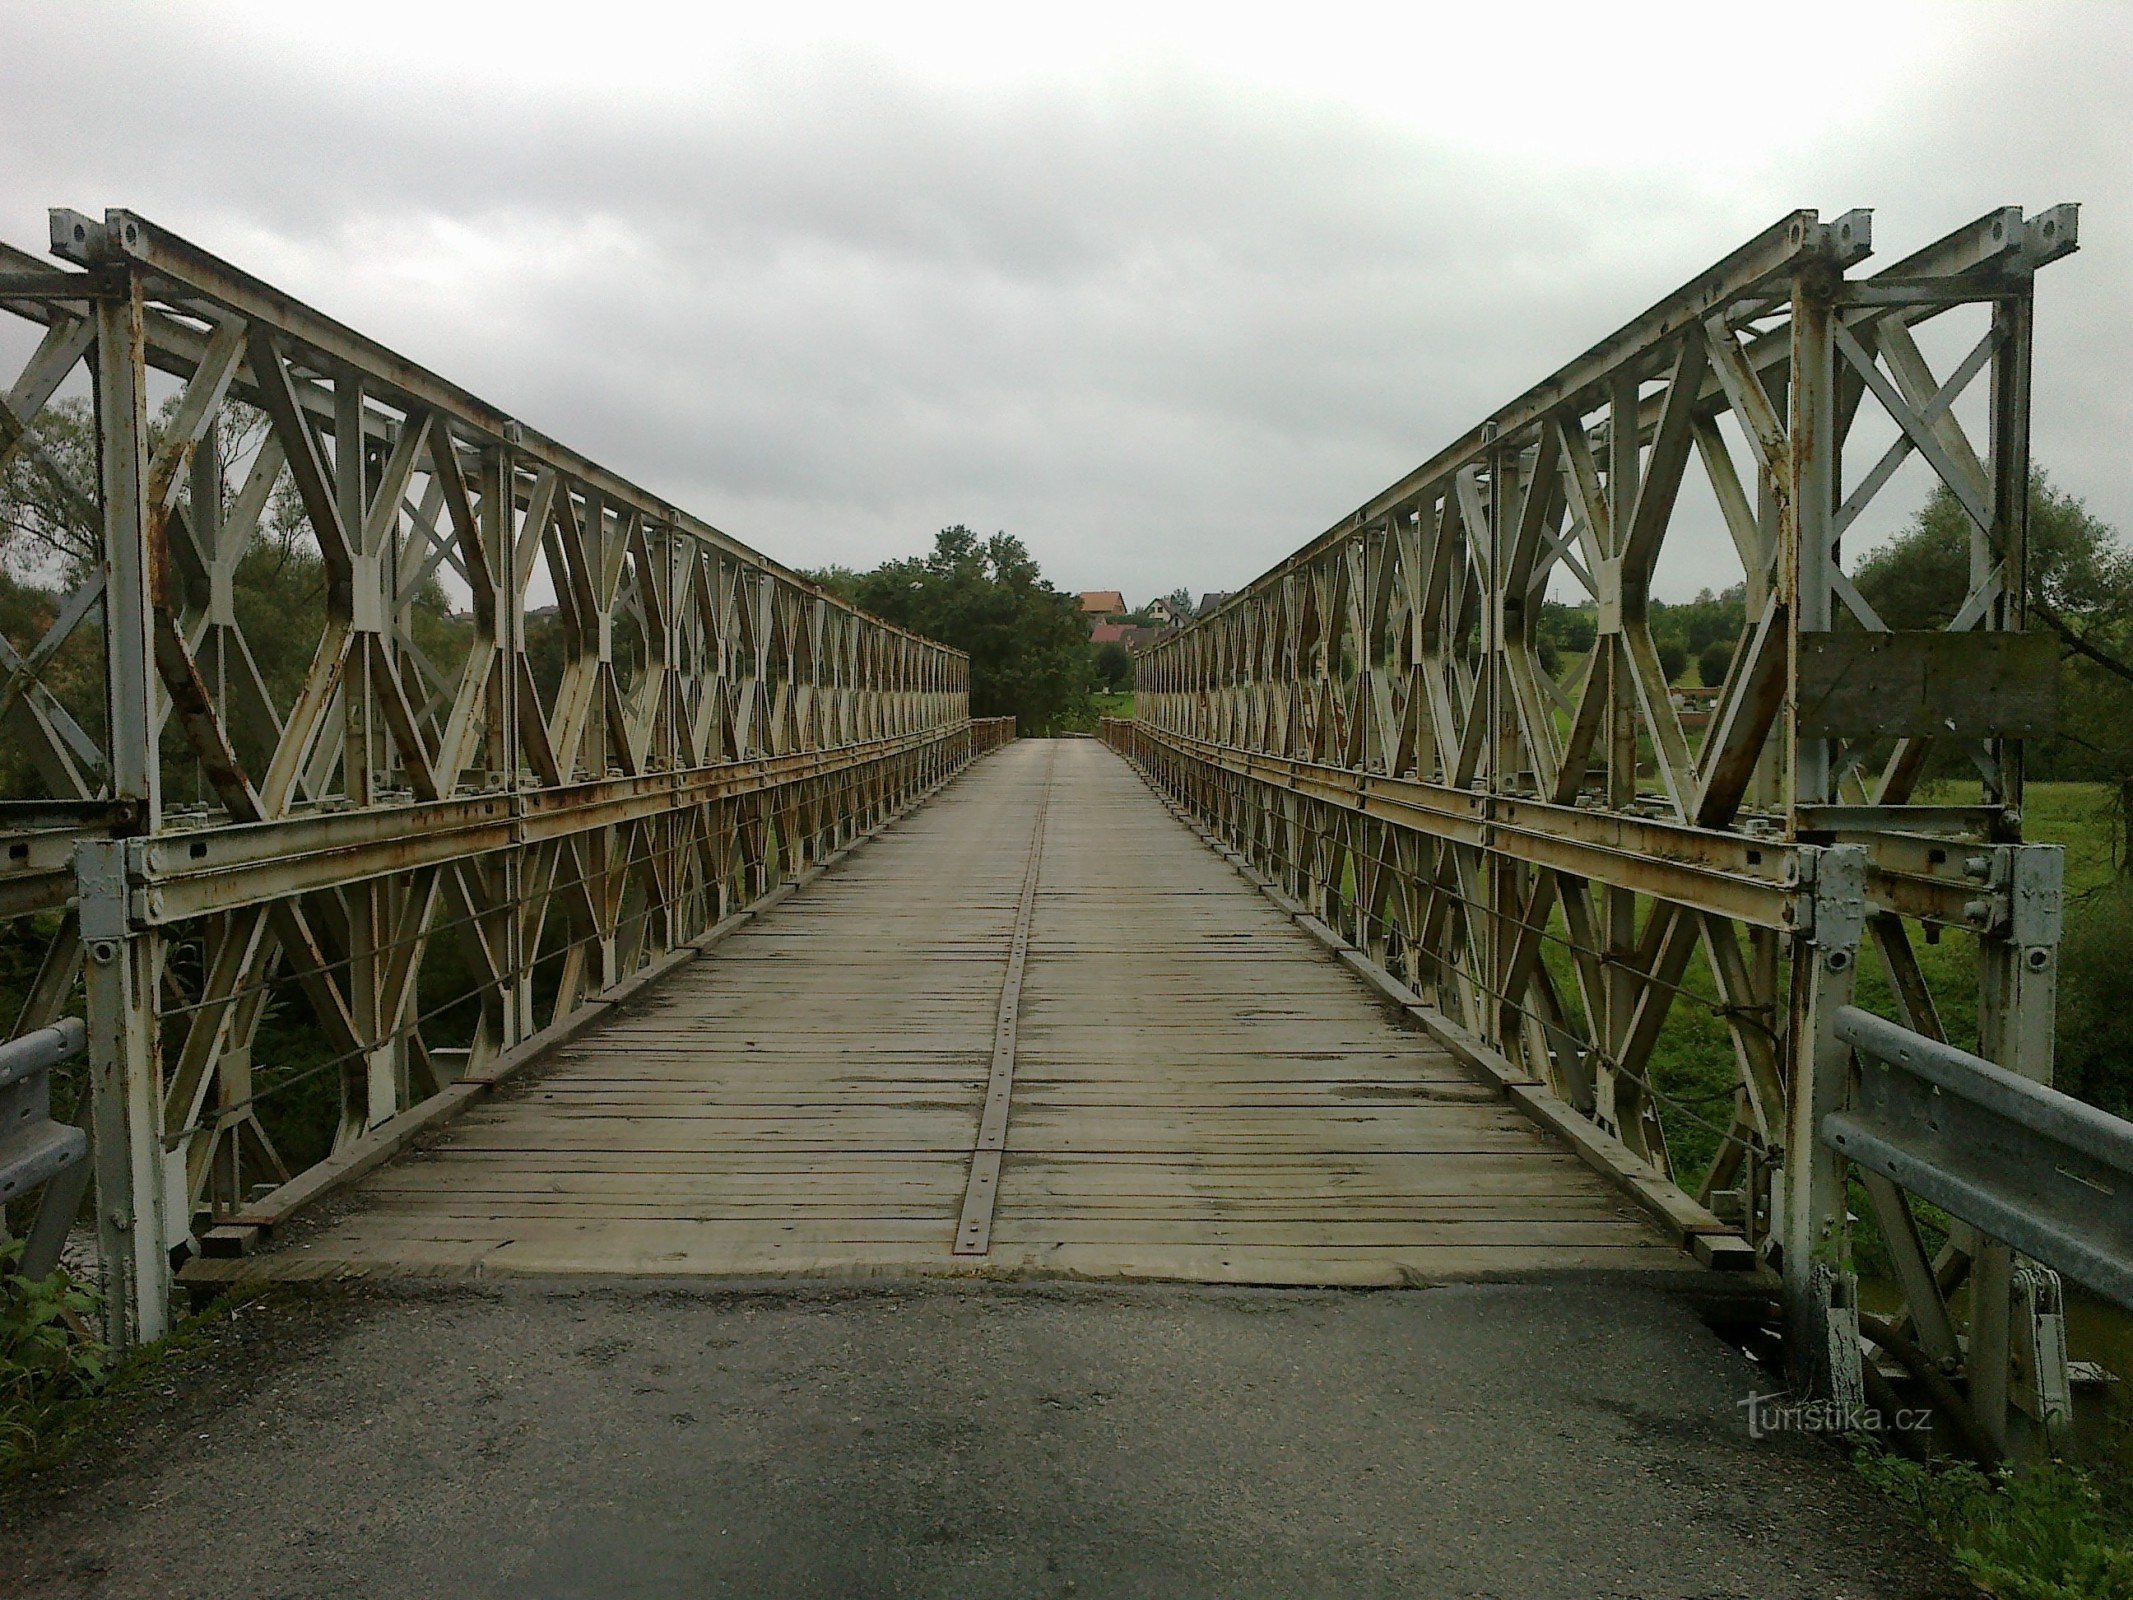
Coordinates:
x,y
437,849
1558,865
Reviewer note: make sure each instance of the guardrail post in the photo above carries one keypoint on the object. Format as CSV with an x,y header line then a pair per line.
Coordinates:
x,y
1820,1295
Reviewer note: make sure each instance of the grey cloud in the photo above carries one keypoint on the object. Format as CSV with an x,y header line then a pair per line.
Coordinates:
x,y
1164,327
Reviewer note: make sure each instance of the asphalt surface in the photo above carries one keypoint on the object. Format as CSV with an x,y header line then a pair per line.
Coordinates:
x,y
1530,1440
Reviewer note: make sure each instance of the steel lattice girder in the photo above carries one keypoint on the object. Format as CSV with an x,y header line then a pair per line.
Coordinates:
x,y
1370,723
715,724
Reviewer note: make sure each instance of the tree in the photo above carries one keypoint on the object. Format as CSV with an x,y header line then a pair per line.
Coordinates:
x,y
1712,663
49,542
1673,660
1027,643
2080,590
1180,603
1566,630
843,582
2080,575
48,519
1114,666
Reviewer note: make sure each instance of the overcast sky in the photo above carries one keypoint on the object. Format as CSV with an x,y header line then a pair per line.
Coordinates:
x,y
1163,293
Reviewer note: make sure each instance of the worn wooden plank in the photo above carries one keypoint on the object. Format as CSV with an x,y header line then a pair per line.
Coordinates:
x,y
1199,1091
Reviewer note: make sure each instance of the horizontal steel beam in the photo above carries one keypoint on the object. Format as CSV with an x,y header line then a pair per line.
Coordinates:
x,y
1754,879
2050,1175
179,877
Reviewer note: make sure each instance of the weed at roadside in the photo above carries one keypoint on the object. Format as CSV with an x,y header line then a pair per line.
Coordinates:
x,y
49,1359
2046,1534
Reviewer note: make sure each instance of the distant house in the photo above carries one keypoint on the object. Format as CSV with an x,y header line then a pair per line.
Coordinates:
x,y
1102,603
1160,611
1125,633
1210,600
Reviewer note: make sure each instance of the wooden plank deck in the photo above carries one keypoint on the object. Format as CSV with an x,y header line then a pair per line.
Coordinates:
x,y
1199,1090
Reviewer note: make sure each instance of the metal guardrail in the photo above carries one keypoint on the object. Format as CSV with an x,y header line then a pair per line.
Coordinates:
x,y
2045,1173
35,1151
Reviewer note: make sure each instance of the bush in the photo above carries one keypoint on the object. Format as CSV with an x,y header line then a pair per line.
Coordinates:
x,y
2095,1054
48,1358
1712,663
1673,660
2046,1534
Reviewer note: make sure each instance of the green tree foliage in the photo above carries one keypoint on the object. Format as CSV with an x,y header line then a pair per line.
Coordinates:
x,y
1114,666
2080,589
47,528
843,582
48,1359
1683,631
1027,643
1712,663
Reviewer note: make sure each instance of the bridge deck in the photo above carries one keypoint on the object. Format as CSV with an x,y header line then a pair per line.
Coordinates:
x,y
1198,1091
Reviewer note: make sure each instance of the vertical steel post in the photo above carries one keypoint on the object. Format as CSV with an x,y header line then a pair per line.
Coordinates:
x,y
1820,1294
1503,879
1616,1101
123,966
500,526
2012,1389
1807,555
1821,1311
2013,321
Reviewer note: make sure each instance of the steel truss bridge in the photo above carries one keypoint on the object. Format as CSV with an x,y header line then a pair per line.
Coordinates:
x,y
468,834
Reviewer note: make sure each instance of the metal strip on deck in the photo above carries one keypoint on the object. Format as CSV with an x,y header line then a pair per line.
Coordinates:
x,y
973,1234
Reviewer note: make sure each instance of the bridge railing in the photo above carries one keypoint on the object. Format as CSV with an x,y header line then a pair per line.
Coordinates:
x,y
40,1159
989,733
367,740
1654,916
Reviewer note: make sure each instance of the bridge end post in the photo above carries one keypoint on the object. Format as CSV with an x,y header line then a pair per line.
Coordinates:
x,y
2017,1353
123,965
134,1175
1821,1293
